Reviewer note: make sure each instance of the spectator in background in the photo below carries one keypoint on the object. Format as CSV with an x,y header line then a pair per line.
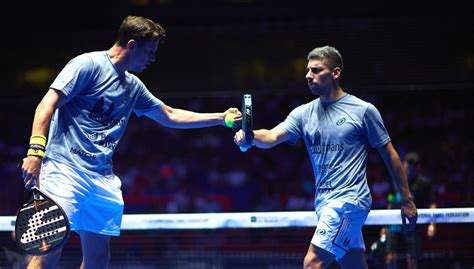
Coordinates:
x,y
420,183
409,244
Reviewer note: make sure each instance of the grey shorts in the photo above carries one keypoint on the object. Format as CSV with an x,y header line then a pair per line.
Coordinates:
x,y
339,228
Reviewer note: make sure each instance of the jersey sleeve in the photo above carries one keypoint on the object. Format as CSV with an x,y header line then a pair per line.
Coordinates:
x,y
293,124
375,128
74,77
146,101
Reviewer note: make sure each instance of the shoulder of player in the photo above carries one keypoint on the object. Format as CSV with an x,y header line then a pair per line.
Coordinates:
x,y
353,100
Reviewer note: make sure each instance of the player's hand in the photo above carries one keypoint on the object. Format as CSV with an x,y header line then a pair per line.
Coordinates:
x,y
239,138
409,212
235,118
30,170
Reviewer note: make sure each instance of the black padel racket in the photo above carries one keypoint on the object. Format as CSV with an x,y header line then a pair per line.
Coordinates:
x,y
41,224
247,122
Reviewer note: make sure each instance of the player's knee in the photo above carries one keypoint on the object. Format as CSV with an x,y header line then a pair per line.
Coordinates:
x,y
98,254
311,261
354,258
96,260
317,258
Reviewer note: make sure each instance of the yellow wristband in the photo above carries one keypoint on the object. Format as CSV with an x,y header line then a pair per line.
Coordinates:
x,y
38,139
35,152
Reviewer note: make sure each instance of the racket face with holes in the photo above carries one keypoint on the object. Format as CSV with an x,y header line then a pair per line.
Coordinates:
x,y
41,224
247,120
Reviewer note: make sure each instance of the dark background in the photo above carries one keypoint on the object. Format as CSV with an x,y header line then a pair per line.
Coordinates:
x,y
236,46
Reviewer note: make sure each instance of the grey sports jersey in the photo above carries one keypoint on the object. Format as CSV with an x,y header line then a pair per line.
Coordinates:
x,y
85,131
337,136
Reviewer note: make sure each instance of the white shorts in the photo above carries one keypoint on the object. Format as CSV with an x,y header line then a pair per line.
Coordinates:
x,y
339,228
93,203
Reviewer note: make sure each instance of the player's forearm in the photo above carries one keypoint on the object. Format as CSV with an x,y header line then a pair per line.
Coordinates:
x,y
39,133
398,175
264,138
43,113
401,181
395,168
180,118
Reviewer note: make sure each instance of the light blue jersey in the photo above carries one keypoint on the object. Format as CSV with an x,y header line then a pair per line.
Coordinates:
x,y
338,136
85,131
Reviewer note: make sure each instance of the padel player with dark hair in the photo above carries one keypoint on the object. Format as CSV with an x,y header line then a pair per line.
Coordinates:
x,y
338,129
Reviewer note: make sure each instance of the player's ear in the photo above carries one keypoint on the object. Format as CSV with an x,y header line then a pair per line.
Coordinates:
x,y
336,72
131,44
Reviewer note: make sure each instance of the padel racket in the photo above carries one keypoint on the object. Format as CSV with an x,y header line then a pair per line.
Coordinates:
x,y
41,224
247,122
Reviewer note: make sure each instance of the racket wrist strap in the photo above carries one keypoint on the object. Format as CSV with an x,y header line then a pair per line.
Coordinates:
x,y
37,146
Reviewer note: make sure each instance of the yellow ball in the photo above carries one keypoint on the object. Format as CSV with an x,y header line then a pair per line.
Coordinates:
x,y
229,119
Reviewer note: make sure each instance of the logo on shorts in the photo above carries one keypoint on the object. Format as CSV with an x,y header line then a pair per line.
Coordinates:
x,y
320,231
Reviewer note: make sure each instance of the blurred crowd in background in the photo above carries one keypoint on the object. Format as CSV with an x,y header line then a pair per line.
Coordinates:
x,y
167,170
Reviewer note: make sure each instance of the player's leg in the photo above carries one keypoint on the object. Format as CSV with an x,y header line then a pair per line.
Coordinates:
x,y
64,187
45,261
351,229
318,258
354,258
101,216
339,229
95,250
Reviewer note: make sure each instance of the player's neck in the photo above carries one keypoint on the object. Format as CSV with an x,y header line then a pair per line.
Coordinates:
x,y
333,95
117,56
